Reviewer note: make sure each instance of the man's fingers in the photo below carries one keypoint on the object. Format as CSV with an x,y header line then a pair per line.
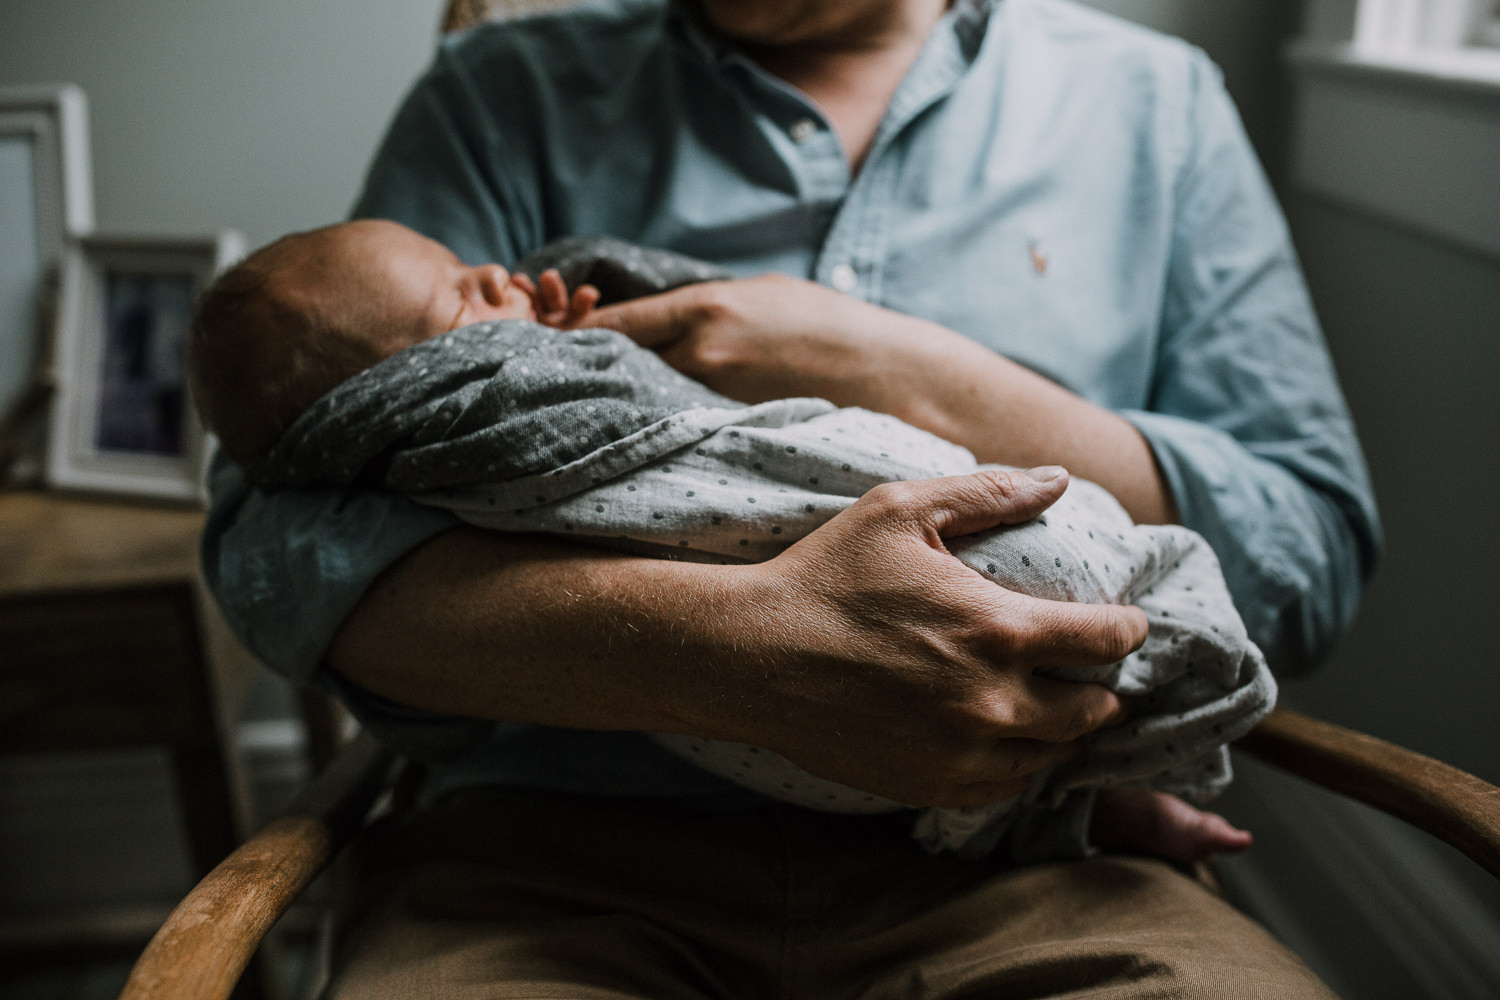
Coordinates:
x,y
1060,712
1063,634
963,505
654,322
1018,759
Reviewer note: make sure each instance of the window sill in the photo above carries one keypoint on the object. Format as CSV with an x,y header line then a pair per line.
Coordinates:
x,y
1412,138
1469,71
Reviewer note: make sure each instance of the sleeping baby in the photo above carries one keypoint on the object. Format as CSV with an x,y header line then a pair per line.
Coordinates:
x,y
365,354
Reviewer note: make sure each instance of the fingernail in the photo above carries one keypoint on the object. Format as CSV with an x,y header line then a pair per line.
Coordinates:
x,y
1046,473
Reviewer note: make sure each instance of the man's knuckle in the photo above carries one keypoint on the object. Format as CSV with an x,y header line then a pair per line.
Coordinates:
x,y
1116,636
989,720
991,715
1084,716
713,302
896,498
1000,483
714,356
1010,643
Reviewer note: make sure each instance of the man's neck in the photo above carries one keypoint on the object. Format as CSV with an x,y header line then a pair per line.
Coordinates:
x,y
852,74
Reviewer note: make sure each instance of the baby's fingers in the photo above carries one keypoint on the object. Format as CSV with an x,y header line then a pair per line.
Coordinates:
x,y
554,293
585,298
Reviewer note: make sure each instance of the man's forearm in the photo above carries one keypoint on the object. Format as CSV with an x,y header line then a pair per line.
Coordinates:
x,y
772,337
1002,412
530,629
865,652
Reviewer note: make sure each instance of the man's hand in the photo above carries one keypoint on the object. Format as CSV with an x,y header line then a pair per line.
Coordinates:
x,y
770,337
924,687
865,652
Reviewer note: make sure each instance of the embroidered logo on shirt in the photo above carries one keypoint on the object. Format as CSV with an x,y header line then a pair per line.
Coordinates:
x,y
1038,259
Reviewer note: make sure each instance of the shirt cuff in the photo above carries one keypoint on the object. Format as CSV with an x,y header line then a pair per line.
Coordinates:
x,y
1290,556
287,566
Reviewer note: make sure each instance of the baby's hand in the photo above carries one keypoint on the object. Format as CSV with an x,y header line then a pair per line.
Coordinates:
x,y
1151,822
553,305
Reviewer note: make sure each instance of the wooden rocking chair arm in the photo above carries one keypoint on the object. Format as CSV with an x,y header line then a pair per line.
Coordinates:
x,y
205,944
1450,804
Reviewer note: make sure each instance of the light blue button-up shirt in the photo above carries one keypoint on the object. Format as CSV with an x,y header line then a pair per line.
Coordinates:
x,y
1069,190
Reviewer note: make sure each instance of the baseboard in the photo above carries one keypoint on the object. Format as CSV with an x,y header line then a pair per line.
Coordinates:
x,y
89,830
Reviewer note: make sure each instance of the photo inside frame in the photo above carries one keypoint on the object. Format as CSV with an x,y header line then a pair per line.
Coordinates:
x,y
22,267
142,398
121,419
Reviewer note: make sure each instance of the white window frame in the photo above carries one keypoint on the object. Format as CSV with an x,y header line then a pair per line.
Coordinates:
x,y
1487,30
1391,26
1396,126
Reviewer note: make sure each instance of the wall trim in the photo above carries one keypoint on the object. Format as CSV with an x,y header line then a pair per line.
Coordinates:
x,y
1473,73
1421,156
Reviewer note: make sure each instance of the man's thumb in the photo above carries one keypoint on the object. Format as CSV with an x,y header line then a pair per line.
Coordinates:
x,y
992,497
654,322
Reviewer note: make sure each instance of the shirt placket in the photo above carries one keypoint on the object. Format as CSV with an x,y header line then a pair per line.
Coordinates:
x,y
853,256
800,133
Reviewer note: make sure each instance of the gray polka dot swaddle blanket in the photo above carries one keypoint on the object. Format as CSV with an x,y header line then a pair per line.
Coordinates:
x,y
519,427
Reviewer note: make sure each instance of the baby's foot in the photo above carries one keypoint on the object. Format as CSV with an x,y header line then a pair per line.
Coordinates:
x,y
1151,822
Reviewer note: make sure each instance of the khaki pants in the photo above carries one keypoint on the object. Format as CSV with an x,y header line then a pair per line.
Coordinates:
x,y
508,894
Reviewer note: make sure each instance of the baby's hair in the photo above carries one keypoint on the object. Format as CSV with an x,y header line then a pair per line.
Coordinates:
x,y
258,353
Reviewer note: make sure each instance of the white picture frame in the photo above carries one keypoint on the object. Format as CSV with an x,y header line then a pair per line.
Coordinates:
x,y
46,198
121,419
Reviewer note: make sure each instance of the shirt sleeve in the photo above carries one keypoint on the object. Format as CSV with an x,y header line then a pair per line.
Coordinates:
x,y
287,567
1246,417
448,168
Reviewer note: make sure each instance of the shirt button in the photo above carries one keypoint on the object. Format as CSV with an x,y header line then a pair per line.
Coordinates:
x,y
803,129
843,278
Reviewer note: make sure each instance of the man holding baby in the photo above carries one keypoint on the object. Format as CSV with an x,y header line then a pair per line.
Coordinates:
x,y
1022,226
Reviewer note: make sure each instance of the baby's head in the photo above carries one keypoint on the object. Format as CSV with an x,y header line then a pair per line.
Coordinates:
x,y
302,314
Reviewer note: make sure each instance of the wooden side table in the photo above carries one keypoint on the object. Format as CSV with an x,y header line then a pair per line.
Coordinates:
x,y
107,641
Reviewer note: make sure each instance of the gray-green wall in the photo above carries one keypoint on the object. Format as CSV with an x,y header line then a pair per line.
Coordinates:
x,y
253,115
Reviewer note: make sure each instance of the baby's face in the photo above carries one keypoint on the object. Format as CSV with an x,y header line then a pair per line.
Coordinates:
x,y
419,288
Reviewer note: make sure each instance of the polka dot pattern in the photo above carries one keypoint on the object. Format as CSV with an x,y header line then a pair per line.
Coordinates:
x,y
519,427
513,395
741,492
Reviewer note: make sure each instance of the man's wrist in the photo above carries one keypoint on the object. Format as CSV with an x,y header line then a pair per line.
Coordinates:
x,y
733,637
